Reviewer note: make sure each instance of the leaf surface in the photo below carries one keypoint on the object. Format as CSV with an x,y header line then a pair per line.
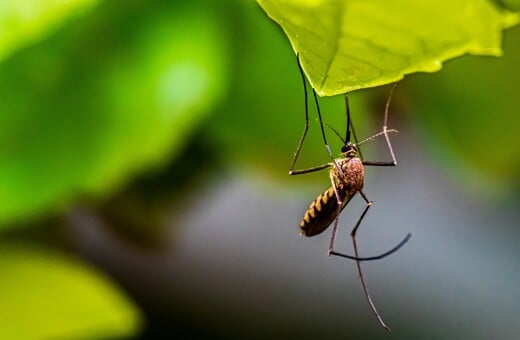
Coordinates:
x,y
354,44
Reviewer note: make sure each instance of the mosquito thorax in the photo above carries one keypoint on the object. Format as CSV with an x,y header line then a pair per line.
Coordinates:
x,y
348,150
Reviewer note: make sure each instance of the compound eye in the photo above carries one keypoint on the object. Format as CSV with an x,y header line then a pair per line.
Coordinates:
x,y
344,148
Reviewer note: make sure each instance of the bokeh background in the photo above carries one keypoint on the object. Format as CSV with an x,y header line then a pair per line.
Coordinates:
x,y
150,143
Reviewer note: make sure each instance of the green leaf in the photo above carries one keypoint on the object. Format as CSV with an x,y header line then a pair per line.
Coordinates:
x,y
25,21
353,44
46,295
81,115
469,116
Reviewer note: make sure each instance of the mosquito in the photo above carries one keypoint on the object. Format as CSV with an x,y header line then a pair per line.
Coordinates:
x,y
346,176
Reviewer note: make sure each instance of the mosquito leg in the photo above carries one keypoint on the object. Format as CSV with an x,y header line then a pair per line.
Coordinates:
x,y
376,163
377,257
313,169
306,127
350,126
341,205
292,171
387,105
357,258
385,132
362,279
385,125
336,220
327,147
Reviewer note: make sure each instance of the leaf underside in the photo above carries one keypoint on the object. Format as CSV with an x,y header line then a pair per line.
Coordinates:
x,y
355,44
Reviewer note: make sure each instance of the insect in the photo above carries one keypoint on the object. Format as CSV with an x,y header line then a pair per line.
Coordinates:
x,y
346,176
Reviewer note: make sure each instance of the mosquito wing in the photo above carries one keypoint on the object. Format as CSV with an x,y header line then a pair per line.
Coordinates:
x,y
322,212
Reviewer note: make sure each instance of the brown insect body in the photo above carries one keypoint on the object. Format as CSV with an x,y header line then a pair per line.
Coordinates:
x,y
324,209
346,176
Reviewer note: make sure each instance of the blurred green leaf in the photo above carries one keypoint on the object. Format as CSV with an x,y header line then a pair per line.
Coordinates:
x,y
46,295
469,115
511,4
348,45
25,21
111,96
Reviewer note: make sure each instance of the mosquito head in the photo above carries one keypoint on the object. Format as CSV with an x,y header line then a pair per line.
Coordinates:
x,y
349,150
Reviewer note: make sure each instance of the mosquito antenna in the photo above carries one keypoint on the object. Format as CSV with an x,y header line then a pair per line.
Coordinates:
x,y
382,133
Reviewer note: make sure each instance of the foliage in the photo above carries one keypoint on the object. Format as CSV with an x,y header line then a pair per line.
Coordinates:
x,y
348,45
27,21
47,295
469,120
102,109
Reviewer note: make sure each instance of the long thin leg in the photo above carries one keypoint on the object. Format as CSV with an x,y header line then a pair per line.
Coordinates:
x,y
313,169
362,279
335,229
356,257
377,257
350,127
385,133
385,126
339,208
327,147
306,127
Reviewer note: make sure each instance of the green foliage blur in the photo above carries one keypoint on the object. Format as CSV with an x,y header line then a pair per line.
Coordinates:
x,y
131,107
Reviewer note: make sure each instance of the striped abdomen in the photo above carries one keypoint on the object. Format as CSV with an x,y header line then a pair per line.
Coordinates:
x,y
321,213
324,209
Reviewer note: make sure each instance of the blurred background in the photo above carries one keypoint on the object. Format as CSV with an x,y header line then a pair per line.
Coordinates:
x,y
144,151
